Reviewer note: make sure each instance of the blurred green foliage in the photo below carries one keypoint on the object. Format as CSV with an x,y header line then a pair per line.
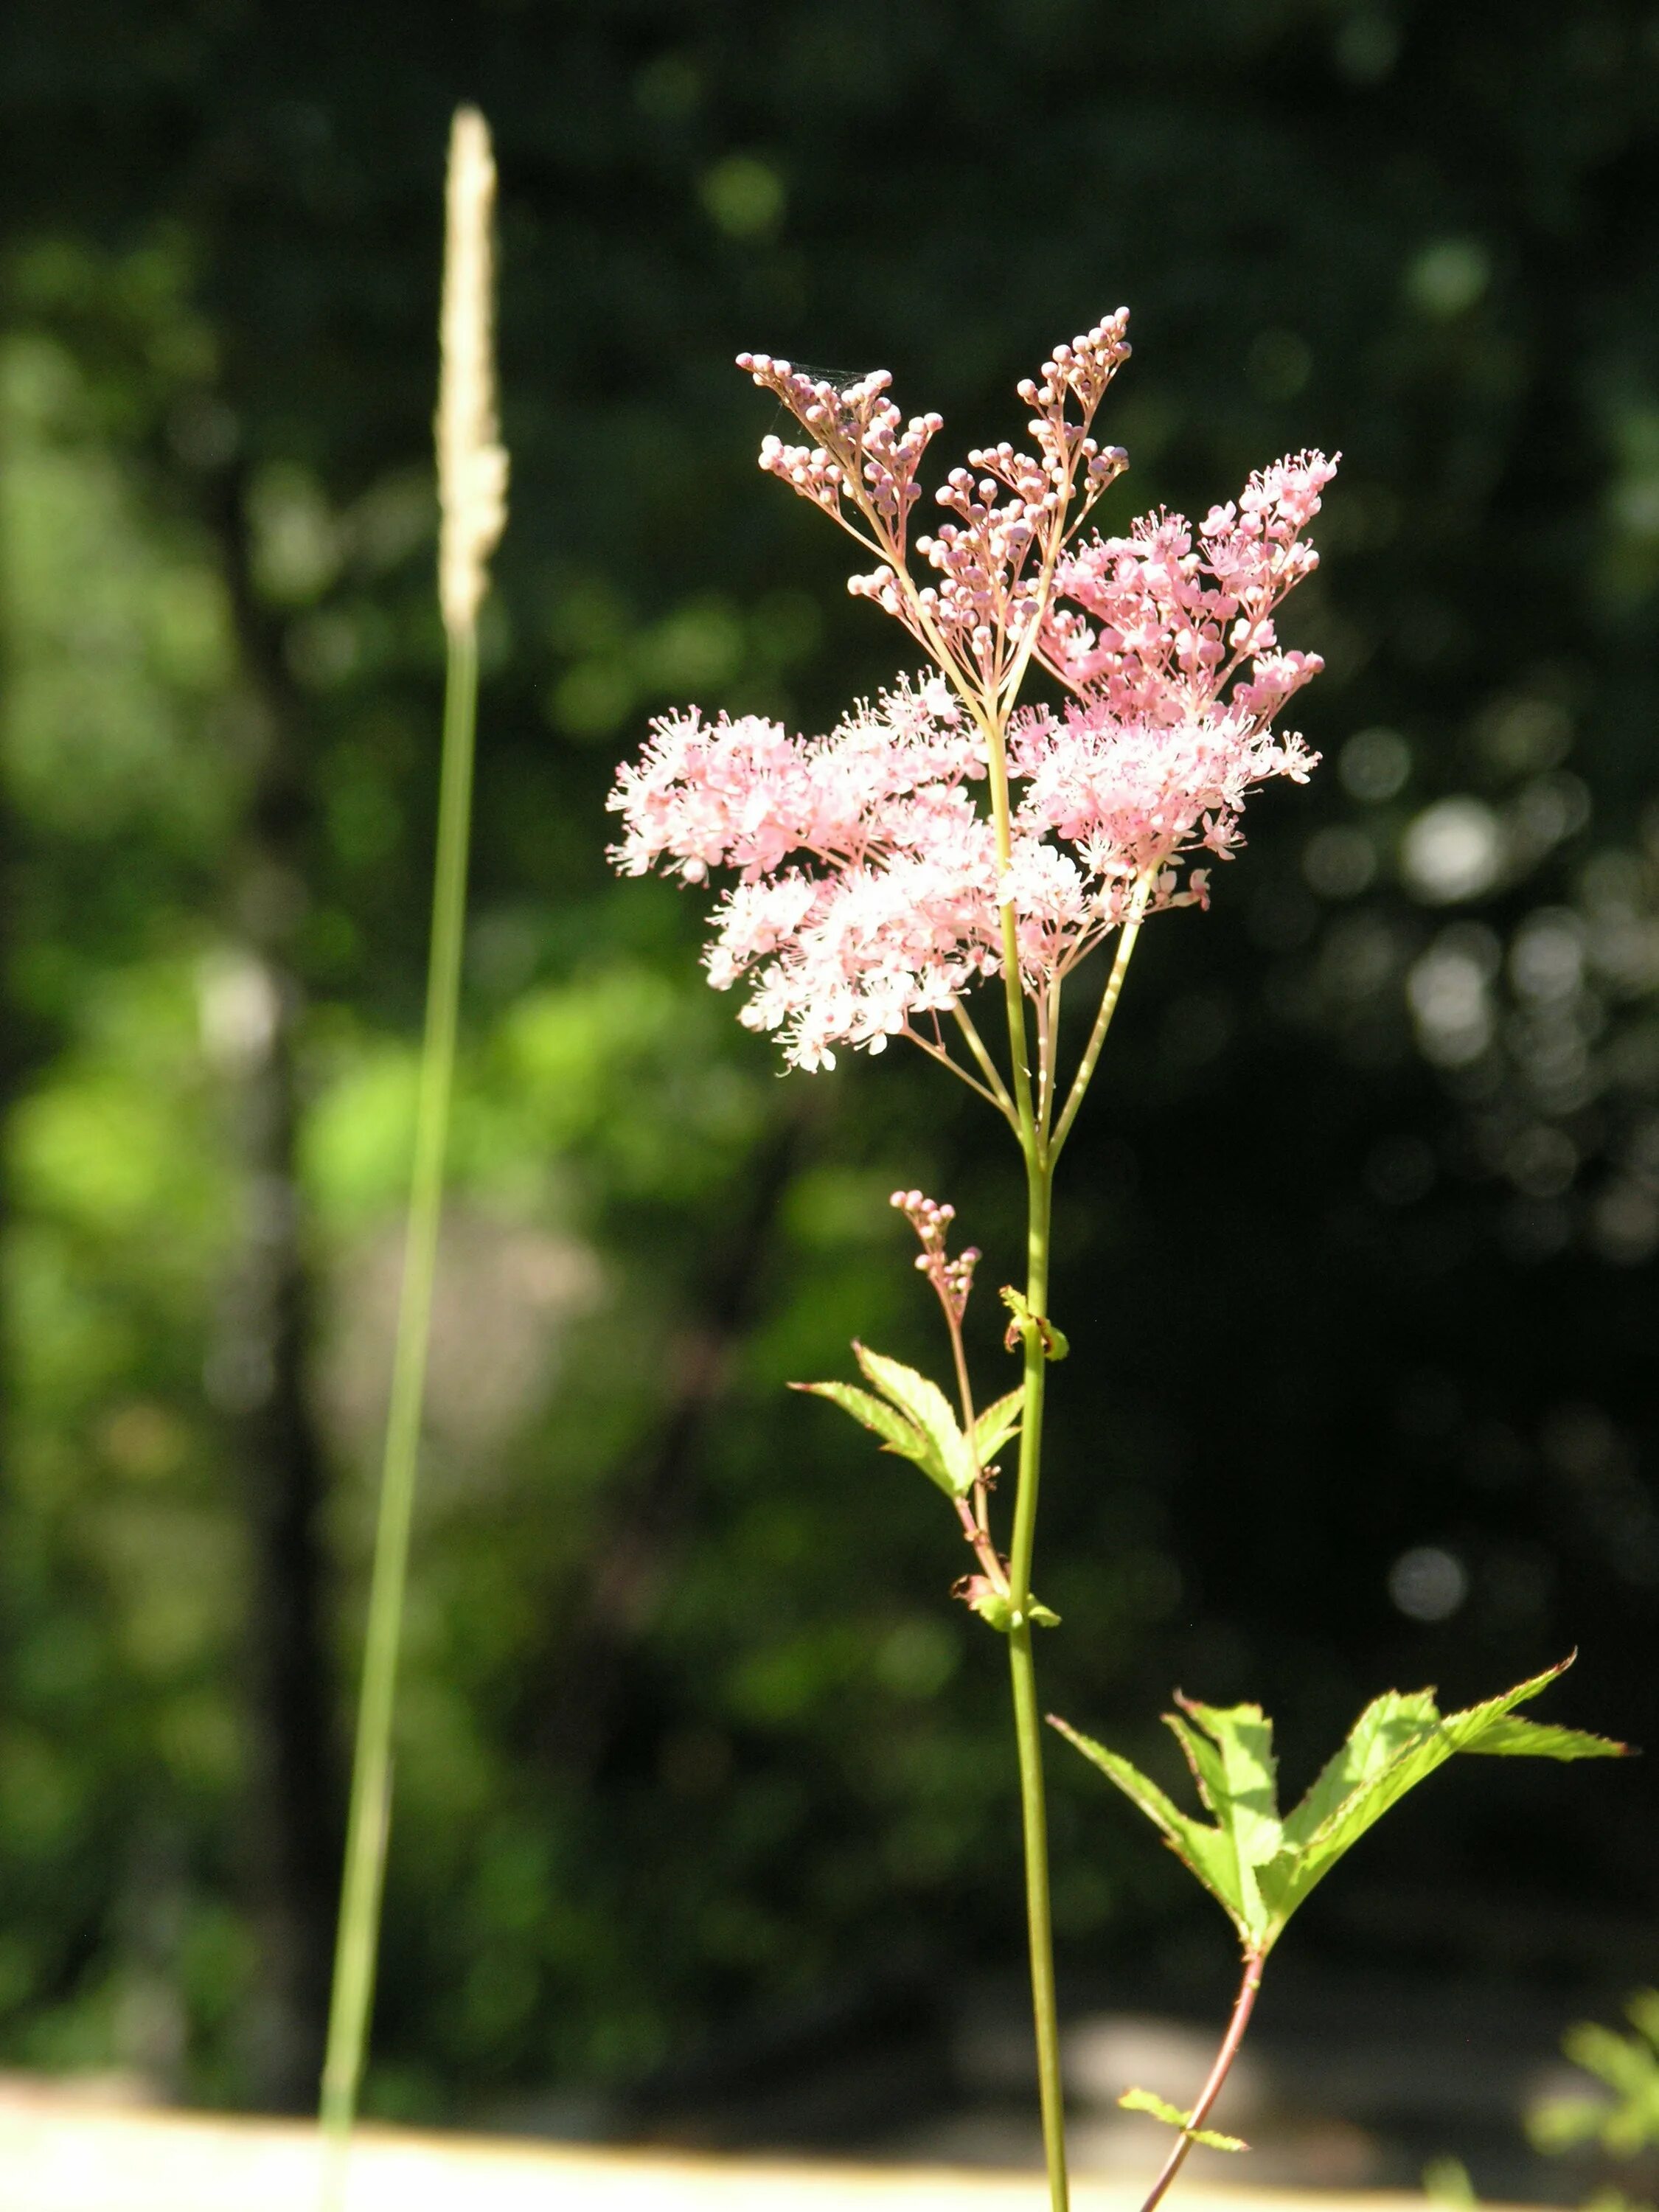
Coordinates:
x,y
1357,1240
1626,2122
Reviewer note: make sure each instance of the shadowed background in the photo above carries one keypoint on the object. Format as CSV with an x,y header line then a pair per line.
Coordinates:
x,y
705,1790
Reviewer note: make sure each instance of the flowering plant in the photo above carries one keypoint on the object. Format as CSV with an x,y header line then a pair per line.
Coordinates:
x,y
951,833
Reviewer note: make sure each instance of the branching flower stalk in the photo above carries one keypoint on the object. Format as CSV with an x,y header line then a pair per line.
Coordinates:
x,y
471,494
875,887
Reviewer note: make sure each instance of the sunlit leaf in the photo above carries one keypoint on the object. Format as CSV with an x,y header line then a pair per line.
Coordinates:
x,y
1232,1763
898,1434
912,1417
1388,1724
1204,1850
1517,1739
1260,1870
925,1405
995,1425
1390,1752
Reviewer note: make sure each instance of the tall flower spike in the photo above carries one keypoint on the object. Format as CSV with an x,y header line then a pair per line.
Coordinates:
x,y
471,461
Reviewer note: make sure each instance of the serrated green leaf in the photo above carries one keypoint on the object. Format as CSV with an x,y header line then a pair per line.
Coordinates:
x,y
898,1434
995,1425
1248,1782
1261,1870
1388,1724
1235,1774
949,1461
1515,1738
1422,1742
1212,2139
1158,2108
1205,1851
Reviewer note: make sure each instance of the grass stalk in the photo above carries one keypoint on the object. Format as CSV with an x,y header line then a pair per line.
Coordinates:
x,y
369,1818
473,470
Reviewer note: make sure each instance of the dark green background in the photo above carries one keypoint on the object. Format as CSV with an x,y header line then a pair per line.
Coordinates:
x,y
693,1741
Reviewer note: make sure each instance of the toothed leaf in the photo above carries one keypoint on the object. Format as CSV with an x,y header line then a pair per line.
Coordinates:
x,y
949,1461
995,1425
898,1434
1515,1738
1388,1724
1400,1750
1235,1774
1261,1870
1205,1851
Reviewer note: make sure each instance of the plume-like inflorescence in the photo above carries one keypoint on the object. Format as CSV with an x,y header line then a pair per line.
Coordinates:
x,y
472,460
869,882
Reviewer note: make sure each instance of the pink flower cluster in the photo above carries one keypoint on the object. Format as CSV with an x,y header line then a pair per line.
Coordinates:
x,y
866,889
869,894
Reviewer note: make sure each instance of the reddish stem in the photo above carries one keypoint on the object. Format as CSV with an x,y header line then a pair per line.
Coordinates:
x,y
1244,2005
979,1537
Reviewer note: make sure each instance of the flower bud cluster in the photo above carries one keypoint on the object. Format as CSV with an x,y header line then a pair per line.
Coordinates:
x,y
953,1279
861,468
864,453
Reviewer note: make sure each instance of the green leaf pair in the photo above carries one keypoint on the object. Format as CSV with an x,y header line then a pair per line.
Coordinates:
x,y
1259,1868
1144,2100
912,1418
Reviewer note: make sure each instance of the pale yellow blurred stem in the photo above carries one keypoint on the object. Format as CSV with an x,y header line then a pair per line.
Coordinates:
x,y
369,1818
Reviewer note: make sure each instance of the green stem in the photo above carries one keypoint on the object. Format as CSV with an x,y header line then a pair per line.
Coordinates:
x,y
1027,1729
1126,944
371,1779
1039,1178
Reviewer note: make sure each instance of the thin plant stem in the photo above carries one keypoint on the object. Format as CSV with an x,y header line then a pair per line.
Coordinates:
x,y
976,1045
1127,938
369,1818
1023,1675
938,1052
1244,2005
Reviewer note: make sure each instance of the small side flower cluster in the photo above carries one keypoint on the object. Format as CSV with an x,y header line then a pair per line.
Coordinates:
x,y
953,1279
873,885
